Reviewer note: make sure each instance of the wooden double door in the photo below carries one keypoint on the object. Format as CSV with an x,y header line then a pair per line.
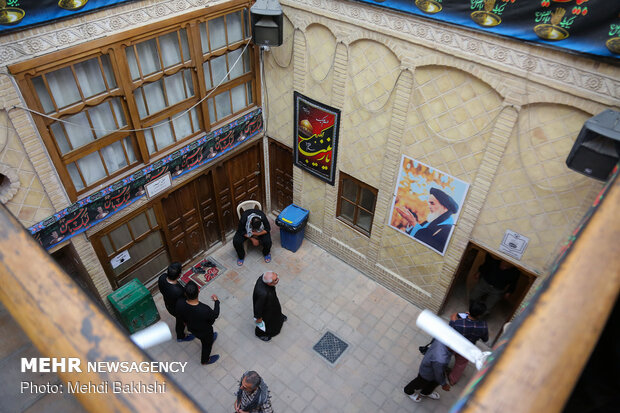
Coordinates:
x,y
200,214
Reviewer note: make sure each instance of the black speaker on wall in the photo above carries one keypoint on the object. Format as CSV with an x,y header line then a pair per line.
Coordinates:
x,y
597,148
267,23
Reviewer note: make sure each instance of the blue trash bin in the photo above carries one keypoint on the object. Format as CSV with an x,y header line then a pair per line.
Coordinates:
x,y
292,222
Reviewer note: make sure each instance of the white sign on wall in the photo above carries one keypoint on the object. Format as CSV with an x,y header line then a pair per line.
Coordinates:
x,y
158,185
514,244
119,259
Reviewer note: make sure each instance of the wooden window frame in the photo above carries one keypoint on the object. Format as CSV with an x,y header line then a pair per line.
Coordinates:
x,y
114,46
356,203
105,258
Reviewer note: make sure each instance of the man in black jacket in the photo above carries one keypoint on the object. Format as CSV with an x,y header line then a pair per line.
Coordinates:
x,y
200,318
267,309
253,225
172,292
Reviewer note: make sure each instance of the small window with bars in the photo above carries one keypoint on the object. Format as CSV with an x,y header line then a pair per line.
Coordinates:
x,y
356,203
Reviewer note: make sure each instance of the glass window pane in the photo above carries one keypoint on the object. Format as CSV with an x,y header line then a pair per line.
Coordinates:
x,y
59,136
218,69
236,63
182,126
90,77
102,119
114,156
246,23
189,83
149,270
75,176
154,93
106,245
195,122
175,88
204,40
246,61
44,97
63,87
145,247
368,200
150,144
118,112
139,97
151,215
120,237
107,69
238,98
217,33
163,134
139,225
222,103
347,210
170,51
233,27
184,45
211,111
207,72
249,89
129,147
349,190
364,220
78,130
133,63
149,57
91,168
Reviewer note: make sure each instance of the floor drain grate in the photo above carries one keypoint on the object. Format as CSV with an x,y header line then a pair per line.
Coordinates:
x,y
330,347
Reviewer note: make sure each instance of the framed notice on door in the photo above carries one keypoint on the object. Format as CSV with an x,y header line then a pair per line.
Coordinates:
x,y
316,137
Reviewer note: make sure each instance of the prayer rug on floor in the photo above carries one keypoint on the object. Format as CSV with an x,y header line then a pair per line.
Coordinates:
x,y
203,272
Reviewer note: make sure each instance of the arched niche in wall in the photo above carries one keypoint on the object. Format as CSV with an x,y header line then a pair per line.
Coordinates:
x,y
454,104
321,49
546,133
283,54
373,70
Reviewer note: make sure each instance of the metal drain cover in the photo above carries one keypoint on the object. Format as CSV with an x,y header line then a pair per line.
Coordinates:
x,y
330,347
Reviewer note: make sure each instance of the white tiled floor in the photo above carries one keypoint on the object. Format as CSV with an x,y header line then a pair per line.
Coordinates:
x,y
318,292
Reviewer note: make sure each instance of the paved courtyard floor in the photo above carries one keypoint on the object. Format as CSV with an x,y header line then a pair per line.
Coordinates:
x,y
318,293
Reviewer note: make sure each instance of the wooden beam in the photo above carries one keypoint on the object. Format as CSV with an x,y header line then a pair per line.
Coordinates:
x,y
541,363
61,321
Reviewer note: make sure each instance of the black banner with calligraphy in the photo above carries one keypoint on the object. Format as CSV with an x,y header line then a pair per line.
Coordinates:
x,y
22,14
316,137
585,26
87,212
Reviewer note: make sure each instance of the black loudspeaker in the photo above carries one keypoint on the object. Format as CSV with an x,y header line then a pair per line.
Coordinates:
x,y
597,148
267,23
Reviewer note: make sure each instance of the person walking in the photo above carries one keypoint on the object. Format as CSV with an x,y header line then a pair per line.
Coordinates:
x,y
267,310
472,329
200,318
432,373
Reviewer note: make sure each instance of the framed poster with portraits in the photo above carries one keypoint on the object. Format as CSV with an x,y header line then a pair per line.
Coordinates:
x,y
316,137
426,204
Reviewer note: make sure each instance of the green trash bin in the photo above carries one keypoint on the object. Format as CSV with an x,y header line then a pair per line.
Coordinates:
x,y
134,306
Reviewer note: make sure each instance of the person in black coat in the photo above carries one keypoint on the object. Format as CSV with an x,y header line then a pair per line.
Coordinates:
x,y
172,292
253,225
267,307
200,318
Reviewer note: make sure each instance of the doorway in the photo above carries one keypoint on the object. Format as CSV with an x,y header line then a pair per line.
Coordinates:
x,y
281,175
457,299
68,259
